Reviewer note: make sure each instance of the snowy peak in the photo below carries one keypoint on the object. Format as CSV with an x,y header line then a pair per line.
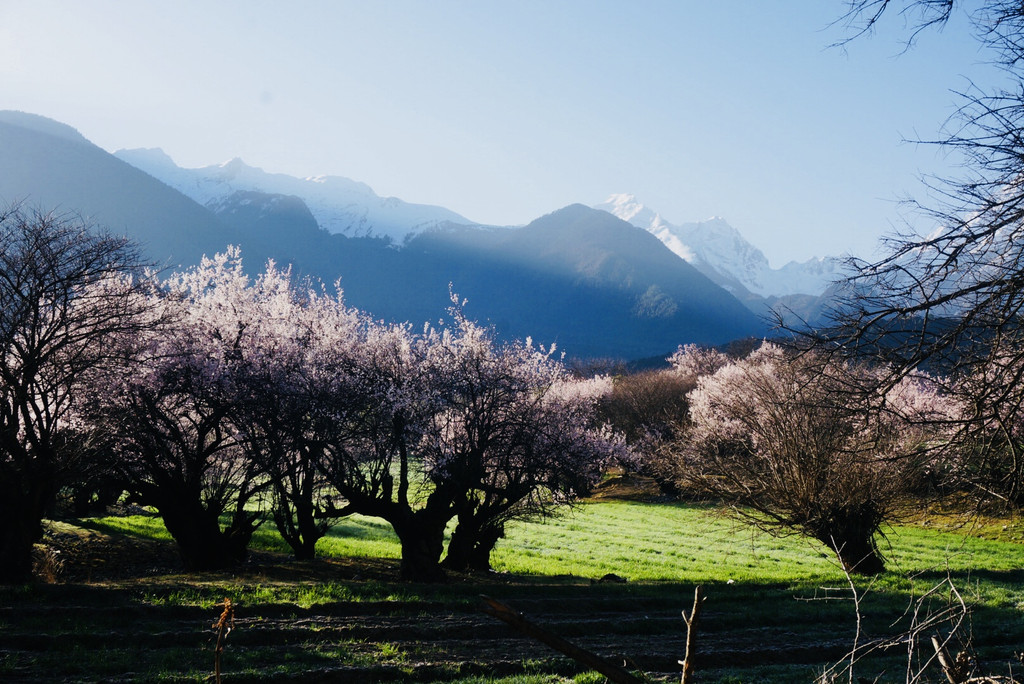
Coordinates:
x,y
629,209
234,167
724,255
153,157
339,205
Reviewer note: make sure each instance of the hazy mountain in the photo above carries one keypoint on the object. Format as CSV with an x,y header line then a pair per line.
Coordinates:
x,y
50,166
581,278
589,281
721,253
339,205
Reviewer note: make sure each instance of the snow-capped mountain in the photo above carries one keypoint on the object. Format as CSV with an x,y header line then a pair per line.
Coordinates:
x,y
338,204
721,253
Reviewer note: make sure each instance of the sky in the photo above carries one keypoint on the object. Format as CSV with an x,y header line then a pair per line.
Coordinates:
x,y
505,111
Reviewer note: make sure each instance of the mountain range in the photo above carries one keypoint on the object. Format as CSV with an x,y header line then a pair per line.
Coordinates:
x,y
341,205
718,251
582,278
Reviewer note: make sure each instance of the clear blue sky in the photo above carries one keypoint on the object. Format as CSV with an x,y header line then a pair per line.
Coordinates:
x,y
504,111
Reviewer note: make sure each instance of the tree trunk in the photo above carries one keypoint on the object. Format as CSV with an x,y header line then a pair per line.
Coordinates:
x,y
471,545
201,543
309,529
422,540
22,505
460,548
857,551
300,530
306,549
295,518
238,534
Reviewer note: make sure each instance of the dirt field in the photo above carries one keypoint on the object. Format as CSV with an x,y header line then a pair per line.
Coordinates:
x,y
112,616
120,609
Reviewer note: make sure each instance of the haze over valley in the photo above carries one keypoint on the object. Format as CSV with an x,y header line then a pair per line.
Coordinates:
x,y
615,280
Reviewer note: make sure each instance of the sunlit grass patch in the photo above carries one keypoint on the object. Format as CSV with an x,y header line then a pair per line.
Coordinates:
x,y
359,536
914,548
355,536
146,526
657,542
208,593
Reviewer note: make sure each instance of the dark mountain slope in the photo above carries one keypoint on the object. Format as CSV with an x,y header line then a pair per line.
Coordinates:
x,y
595,284
50,166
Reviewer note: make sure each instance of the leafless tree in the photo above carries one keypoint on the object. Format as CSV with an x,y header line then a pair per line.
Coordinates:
x,y
950,302
65,292
648,409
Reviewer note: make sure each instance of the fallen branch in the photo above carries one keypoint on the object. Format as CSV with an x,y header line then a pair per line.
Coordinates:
x,y
952,669
512,617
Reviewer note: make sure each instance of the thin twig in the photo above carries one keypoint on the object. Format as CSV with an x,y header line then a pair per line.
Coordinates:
x,y
691,634
223,626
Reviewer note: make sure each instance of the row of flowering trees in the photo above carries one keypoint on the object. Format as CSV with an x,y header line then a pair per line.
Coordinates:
x,y
220,400
223,400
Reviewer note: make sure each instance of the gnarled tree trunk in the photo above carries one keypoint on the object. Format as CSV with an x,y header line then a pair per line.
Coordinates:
x,y
471,544
853,542
422,539
201,542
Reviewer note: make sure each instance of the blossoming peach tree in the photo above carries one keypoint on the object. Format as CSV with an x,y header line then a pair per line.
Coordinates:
x,y
263,395
803,444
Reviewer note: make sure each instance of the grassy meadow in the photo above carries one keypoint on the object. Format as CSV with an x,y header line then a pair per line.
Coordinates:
x,y
778,609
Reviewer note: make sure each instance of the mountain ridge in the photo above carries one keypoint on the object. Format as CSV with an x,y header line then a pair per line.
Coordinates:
x,y
50,166
579,278
340,205
720,251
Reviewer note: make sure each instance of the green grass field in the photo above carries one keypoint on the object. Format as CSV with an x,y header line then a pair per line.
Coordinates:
x,y
779,609
688,543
